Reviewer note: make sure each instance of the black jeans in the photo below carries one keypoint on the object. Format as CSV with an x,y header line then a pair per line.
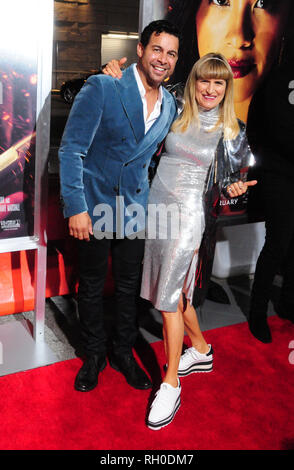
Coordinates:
x,y
126,259
278,250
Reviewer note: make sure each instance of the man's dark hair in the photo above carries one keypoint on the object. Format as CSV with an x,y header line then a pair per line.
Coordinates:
x,y
158,26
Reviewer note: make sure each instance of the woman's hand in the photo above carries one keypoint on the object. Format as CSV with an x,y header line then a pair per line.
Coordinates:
x,y
113,67
239,188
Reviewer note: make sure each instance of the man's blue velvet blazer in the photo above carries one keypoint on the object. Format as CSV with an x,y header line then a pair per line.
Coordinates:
x,y
104,151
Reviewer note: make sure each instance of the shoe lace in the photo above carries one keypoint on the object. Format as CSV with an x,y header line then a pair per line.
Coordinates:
x,y
192,352
161,395
189,352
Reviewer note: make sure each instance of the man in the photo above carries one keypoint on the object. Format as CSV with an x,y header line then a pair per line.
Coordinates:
x,y
114,128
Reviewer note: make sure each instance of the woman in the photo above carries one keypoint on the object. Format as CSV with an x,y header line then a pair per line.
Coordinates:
x,y
256,36
251,34
205,152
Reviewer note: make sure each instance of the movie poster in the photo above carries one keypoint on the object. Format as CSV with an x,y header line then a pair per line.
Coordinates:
x,y
18,96
257,39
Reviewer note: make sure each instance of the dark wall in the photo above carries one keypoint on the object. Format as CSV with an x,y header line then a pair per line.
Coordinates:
x,y
78,26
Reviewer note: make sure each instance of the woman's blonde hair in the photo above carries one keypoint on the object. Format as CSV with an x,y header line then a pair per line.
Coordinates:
x,y
210,66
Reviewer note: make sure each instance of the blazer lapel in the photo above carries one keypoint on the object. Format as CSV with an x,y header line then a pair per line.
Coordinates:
x,y
159,129
132,103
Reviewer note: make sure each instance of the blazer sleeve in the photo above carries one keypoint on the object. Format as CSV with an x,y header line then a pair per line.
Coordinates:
x,y
82,124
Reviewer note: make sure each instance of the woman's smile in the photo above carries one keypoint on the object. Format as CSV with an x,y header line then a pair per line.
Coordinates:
x,y
210,92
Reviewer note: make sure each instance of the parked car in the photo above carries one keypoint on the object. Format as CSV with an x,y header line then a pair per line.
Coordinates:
x,y
70,88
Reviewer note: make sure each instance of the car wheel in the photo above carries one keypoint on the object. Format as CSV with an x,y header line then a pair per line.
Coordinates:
x,y
68,95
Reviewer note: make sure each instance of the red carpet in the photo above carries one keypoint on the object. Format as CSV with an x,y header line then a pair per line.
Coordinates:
x,y
245,403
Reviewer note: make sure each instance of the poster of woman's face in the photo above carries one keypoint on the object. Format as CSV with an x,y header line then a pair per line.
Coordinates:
x,y
251,34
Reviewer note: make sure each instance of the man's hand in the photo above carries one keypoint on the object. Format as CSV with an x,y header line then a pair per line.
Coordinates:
x,y
80,226
113,67
239,188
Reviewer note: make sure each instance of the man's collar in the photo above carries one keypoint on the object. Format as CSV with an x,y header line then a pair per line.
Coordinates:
x,y
141,87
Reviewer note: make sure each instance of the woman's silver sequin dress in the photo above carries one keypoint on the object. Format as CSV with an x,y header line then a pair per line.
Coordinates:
x,y
175,229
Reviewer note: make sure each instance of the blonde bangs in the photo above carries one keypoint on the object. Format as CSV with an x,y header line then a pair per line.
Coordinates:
x,y
212,69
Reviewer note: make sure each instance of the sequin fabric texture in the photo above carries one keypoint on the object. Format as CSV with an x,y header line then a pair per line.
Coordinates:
x,y
175,222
